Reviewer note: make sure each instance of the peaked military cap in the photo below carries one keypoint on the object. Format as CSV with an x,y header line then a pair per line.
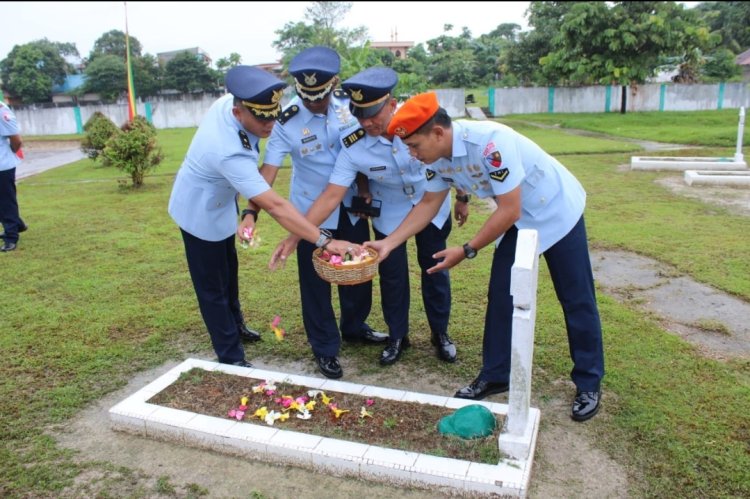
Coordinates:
x,y
369,90
259,90
314,70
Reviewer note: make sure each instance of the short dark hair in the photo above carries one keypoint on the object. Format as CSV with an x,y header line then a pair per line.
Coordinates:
x,y
441,118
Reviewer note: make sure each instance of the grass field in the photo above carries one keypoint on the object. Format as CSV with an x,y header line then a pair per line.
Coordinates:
x,y
99,291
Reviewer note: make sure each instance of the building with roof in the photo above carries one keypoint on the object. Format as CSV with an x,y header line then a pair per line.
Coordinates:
x,y
395,47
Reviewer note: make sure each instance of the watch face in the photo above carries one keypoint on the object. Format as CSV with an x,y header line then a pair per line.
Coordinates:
x,y
469,251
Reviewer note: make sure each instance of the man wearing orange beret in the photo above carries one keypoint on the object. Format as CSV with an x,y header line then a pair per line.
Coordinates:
x,y
533,191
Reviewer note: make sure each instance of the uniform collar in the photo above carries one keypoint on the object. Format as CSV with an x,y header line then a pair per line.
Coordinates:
x,y
459,146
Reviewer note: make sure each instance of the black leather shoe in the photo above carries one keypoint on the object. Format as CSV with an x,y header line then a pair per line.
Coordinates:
x,y
586,405
23,228
368,335
330,367
242,363
479,388
8,247
393,351
246,334
444,346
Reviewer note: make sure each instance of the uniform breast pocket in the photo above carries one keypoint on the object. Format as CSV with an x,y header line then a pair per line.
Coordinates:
x,y
538,189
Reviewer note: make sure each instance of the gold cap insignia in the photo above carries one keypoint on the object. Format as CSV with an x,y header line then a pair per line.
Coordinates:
x,y
277,94
357,95
310,79
400,131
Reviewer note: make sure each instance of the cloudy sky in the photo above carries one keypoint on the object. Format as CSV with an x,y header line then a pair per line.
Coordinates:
x,y
247,28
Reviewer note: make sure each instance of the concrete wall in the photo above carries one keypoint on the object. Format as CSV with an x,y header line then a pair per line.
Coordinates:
x,y
650,97
176,111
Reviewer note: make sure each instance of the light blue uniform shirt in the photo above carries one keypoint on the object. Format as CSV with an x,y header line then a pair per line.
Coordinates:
x,y
8,127
396,178
490,159
312,140
219,164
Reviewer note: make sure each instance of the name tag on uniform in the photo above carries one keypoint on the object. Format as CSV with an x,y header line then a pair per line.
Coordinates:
x,y
309,139
448,179
377,168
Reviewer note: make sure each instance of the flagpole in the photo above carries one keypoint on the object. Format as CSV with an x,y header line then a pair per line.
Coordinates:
x,y
132,111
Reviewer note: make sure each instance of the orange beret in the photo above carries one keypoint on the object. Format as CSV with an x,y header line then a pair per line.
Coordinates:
x,y
414,113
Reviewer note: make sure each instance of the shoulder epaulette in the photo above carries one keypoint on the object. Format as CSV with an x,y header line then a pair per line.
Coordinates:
x,y
340,94
245,140
353,137
287,114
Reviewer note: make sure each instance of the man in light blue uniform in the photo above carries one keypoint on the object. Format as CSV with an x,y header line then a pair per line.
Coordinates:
x,y
533,191
10,144
308,130
397,180
221,162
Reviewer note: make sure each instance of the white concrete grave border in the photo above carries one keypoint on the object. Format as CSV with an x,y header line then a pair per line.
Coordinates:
x,y
510,477
674,163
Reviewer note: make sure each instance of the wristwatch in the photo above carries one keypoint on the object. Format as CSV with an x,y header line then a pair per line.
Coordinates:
x,y
249,212
469,252
464,198
324,238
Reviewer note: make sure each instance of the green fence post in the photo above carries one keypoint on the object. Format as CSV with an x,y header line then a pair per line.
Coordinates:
x,y
149,118
720,104
607,98
662,96
551,100
491,100
79,121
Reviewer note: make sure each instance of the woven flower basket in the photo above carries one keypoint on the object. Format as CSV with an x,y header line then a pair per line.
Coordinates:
x,y
356,273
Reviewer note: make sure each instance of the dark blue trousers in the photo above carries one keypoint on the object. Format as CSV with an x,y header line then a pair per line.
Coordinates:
x,y
213,269
436,288
11,219
355,301
570,268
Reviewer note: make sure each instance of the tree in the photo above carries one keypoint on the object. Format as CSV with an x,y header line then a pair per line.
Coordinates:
x,y
31,70
134,150
106,76
97,131
721,66
147,75
225,63
730,20
113,43
187,73
295,37
622,42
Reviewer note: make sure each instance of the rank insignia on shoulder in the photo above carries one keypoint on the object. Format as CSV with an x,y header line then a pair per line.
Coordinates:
x,y
340,94
287,114
245,140
430,174
499,175
353,137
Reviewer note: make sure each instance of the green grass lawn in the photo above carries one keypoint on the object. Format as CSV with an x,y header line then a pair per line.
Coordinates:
x,y
99,290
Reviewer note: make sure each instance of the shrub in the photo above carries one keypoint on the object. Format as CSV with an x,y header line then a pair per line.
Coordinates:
x,y
134,150
98,130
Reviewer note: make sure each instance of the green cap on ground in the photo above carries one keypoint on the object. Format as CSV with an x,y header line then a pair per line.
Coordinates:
x,y
472,421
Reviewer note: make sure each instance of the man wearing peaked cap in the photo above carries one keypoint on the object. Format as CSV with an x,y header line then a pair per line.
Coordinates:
x,y
370,90
397,180
315,71
308,132
257,90
532,190
221,163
